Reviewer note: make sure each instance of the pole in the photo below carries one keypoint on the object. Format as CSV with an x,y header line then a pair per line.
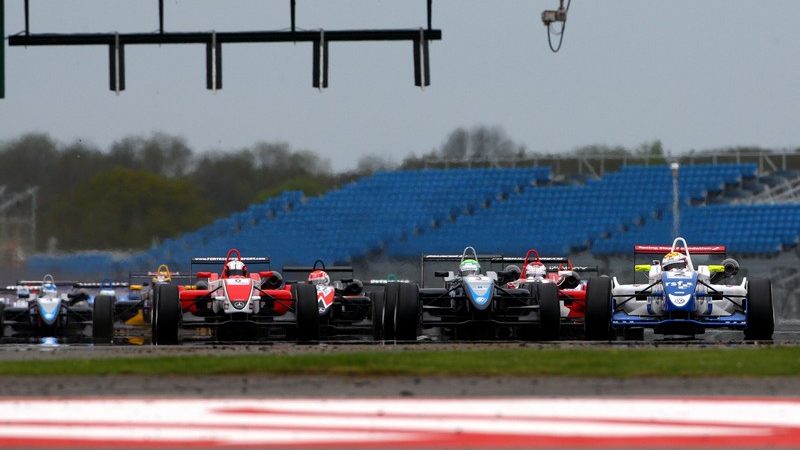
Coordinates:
x,y
161,16
34,205
676,207
293,7
2,49
430,14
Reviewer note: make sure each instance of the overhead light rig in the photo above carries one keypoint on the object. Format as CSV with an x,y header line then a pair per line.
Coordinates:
x,y
320,39
551,16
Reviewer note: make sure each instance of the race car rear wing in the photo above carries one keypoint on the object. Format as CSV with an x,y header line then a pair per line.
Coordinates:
x,y
543,259
431,258
384,282
456,258
553,263
12,288
294,270
96,285
222,259
148,275
26,283
693,249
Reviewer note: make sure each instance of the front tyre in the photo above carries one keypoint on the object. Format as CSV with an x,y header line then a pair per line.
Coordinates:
x,y
549,311
597,323
390,295
306,312
103,319
407,311
760,315
166,315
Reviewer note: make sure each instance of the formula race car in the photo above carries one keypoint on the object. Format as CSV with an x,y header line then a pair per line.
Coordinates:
x,y
560,271
681,297
472,304
236,303
39,309
107,289
344,308
137,307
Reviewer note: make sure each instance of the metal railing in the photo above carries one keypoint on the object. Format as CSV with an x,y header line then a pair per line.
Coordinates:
x,y
598,165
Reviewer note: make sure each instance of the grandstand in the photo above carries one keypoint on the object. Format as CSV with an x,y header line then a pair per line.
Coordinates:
x,y
402,214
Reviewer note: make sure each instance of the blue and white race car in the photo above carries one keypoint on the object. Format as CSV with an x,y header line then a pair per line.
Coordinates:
x,y
680,296
472,304
43,309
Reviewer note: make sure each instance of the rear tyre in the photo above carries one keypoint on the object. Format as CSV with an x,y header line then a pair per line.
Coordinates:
x,y
306,312
166,315
760,315
377,315
407,311
103,319
549,310
2,320
597,323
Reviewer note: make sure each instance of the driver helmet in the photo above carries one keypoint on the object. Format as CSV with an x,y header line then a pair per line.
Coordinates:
x,y
48,288
162,275
673,261
535,270
469,267
235,268
319,278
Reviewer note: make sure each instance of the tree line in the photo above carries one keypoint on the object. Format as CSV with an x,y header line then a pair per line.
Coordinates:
x,y
145,188
142,189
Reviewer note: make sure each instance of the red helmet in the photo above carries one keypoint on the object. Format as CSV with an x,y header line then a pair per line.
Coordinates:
x,y
319,277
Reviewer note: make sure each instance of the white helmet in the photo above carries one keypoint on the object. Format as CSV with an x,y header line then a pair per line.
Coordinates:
x,y
535,270
234,268
469,267
673,260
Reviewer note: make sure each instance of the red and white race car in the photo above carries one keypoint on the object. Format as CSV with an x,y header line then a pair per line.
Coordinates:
x,y
345,309
236,302
558,270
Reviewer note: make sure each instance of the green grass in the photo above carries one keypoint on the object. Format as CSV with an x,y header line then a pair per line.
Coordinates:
x,y
599,362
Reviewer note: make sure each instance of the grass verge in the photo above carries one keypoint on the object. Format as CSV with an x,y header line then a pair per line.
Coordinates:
x,y
600,362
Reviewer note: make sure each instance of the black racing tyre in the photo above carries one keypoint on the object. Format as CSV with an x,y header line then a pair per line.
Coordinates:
x,y
152,312
103,318
390,293
306,312
407,312
549,310
597,323
760,315
2,320
377,315
166,315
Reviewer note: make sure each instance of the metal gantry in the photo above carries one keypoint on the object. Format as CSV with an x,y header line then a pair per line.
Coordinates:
x,y
116,43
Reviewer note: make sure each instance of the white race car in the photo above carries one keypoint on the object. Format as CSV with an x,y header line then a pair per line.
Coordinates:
x,y
681,301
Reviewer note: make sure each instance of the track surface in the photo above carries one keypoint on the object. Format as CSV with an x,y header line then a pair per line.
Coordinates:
x,y
380,423
391,412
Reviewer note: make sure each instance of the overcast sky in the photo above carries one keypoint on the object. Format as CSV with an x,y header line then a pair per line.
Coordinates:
x,y
695,74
